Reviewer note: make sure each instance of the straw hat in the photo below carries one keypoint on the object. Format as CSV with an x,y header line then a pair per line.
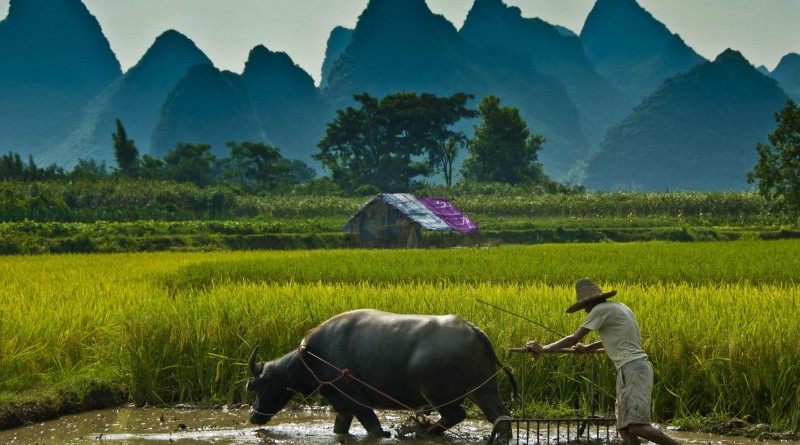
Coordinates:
x,y
587,293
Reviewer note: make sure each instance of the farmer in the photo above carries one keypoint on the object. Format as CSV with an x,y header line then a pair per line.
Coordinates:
x,y
619,336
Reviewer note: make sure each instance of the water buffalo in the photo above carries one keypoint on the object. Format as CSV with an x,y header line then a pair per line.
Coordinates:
x,y
367,359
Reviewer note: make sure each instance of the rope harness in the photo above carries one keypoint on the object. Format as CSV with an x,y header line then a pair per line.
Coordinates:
x,y
349,376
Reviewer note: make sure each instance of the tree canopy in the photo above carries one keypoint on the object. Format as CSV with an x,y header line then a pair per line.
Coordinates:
x,y
778,169
258,166
190,163
503,149
388,143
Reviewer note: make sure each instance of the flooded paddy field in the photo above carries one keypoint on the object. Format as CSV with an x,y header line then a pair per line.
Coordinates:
x,y
146,426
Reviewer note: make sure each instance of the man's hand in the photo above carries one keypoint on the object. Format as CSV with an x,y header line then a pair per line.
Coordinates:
x,y
580,348
534,346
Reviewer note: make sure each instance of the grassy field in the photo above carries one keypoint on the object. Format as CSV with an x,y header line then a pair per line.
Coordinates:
x,y
719,319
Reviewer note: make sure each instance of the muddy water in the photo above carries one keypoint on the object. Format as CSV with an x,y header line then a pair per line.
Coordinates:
x,y
152,426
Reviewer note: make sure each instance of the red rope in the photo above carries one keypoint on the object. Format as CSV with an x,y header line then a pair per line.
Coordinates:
x,y
345,373
348,374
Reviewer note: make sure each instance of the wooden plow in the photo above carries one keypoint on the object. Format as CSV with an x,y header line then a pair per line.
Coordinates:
x,y
546,431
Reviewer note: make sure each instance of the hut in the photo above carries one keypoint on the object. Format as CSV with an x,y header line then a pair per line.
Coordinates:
x,y
398,219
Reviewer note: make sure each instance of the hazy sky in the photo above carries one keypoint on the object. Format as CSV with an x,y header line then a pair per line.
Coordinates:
x,y
763,30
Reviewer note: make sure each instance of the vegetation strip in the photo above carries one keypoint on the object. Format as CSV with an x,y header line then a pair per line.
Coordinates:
x,y
124,215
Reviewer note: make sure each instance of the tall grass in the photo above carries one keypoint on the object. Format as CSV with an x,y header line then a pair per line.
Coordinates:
x,y
718,319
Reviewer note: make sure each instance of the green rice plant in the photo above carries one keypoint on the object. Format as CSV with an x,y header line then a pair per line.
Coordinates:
x,y
746,261
718,319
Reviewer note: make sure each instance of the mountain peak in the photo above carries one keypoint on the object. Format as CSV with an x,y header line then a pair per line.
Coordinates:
x,y
404,7
53,59
275,66
45,10
41,39
411,18
488,18
731,56
172,37
622,28
401,40
337,43
261,55
632,49
489,6
788,67
170,54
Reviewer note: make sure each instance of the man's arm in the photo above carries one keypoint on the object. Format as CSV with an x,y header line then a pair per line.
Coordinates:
x,y
566,342
591,347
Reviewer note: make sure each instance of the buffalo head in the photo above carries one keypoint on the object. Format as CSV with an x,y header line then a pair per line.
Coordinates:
x,y
270,383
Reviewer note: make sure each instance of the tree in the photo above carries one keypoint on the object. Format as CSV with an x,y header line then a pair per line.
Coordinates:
x,y
387,143
12,167
89,170
259,166
503,150
152,168
125,151
302,172
778,169
445,143
447,155
190,163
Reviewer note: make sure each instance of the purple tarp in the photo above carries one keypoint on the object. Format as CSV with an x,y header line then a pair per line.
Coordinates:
x,y
451,215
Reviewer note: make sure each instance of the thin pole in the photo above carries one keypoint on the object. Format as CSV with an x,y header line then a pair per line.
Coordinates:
x,y
520,316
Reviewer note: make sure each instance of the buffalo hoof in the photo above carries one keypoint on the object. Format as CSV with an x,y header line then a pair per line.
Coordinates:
x,y
380,434
501,432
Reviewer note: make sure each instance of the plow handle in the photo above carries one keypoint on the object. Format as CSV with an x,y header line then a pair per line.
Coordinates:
x,y
560,351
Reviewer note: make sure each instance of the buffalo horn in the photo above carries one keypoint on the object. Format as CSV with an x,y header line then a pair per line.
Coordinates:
x,y
255,368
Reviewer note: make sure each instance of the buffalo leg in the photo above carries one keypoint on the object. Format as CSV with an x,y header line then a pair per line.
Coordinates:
x,y
342,423
451,415
488,400
345,413
370,422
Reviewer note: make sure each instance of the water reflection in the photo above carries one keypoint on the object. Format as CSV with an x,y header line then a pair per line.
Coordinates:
x,y
146,426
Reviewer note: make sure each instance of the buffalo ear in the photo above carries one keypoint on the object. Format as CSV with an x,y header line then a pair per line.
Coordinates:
x,y
255,368
256,384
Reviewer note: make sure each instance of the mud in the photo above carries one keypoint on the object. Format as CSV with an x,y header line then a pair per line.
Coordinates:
x,y
229,426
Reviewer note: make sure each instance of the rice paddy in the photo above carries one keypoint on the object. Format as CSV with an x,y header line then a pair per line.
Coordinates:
x,y
719,319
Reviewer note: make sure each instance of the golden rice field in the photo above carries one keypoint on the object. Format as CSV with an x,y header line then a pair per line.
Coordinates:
x,y
720,320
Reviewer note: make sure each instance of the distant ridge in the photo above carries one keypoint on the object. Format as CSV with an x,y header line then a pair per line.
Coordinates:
x,y
286,102
207,106
490,23
626,103
632,49
787,73
697,131
53,59
400,45
135,98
